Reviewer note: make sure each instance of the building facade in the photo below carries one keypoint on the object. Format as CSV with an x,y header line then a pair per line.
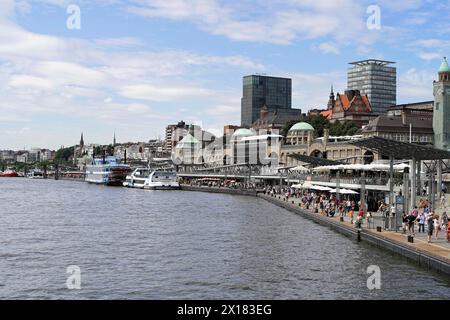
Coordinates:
x,y
350,106
377,80
441,113
258,90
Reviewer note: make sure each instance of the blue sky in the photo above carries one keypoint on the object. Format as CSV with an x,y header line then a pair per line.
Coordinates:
x,y
136,66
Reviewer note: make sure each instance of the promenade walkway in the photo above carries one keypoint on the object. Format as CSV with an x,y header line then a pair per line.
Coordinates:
x,y
439,249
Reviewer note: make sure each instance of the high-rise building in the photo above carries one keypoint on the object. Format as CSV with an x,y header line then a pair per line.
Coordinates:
x,y
441,113
377,80
258,90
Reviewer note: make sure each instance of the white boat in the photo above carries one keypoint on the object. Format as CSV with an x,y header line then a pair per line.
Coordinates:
x,y
162,180
137,178
36,174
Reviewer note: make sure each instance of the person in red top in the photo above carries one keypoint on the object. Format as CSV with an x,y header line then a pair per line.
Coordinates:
x,y
361,213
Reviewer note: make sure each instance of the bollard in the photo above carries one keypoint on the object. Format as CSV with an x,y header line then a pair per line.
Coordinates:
x,y
410,239
379,229
341,219
359,235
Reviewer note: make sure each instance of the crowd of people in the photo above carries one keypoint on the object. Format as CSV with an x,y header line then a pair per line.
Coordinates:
x,y
327,204
426,219
323,203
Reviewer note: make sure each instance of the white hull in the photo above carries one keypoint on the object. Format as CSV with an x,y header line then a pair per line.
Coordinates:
x,y
156,180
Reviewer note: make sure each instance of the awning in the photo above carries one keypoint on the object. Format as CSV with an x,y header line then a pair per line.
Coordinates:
x,y
344,191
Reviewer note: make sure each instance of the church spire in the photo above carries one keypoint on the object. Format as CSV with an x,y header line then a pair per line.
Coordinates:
x,y
332,100
114,139
81,140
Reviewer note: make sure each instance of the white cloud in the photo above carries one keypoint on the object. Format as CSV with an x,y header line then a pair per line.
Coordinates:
x,y
429,55
162,94
327,47
290,21
415,85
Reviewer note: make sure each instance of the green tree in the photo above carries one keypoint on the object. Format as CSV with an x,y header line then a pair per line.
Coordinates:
x,y
64,154
288,126
319,122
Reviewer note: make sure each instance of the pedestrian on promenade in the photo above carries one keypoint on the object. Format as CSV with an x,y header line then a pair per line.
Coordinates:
x,y
350,213
404,222
445,221
443,200
411,219
422,218
430,226
437,225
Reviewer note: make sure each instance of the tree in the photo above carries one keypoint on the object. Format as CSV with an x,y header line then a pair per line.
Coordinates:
x,y
287,126
64,154
319,122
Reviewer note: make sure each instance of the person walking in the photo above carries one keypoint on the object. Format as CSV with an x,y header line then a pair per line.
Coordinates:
x,y
411,219
430,226
422,218
437,225
404,222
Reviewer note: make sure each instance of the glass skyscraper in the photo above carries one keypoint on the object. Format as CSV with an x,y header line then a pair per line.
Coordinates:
x,y
376,79
259,90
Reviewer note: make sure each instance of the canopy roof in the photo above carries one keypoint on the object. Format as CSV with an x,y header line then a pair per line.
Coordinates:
x,y
401,150
362,167
313,160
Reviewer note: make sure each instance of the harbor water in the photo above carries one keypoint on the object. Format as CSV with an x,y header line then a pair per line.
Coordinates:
x,y
139,244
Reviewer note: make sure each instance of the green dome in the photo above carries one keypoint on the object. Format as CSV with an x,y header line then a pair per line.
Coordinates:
x,y
243,133
302,126
444,66
187,141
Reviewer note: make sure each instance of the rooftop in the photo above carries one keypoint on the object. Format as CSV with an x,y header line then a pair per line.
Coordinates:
x,y
371,61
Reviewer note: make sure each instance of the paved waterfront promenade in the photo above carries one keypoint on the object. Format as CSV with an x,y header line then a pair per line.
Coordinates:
x,y
435,255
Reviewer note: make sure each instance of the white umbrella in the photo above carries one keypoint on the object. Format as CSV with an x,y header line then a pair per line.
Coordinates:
x,y
344,191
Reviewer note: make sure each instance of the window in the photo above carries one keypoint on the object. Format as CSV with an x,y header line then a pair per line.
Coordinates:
x,y
437,105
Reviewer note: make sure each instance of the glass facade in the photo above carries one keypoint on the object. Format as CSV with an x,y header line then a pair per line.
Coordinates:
x,y
275,93
377,80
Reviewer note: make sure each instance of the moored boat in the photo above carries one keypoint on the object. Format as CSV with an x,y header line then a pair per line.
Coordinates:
x,y
162,180
36,174
137,178
9,174
107,171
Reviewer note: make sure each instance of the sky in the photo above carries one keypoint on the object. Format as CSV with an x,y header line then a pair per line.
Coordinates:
x,y
133,67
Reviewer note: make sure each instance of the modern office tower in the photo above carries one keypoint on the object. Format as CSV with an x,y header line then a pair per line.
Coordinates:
x,y
377,80
258,91
441,113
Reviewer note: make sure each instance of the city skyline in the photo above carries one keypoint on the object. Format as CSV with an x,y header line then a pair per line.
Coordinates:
x,y
136,66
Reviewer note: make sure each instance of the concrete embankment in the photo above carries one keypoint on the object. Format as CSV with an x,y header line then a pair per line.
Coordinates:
x,y
219,190
428,255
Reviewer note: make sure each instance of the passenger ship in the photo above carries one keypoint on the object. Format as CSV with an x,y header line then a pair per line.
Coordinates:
x,y
157,180
107,171
137,178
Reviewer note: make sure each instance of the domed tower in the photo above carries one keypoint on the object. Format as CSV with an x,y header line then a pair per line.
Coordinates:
x,y
441,113
300,133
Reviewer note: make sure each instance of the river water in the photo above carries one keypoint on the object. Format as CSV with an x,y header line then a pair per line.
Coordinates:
x,y
138,244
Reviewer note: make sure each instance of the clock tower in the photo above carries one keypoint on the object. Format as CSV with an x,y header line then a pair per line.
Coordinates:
x,y
441,113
